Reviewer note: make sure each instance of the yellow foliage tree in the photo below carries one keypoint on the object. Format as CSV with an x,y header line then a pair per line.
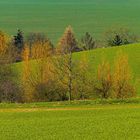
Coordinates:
x,y
82,79
3,42
64,63
38,70
42,54
122,77
103,86
26,74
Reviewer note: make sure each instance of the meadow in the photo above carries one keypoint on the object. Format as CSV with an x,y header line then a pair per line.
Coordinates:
x,y
52,17
85,120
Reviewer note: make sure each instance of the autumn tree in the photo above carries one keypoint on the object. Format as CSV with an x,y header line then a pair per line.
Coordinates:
x,y
122,78
37,38
38,71
9,88
4,39
82,79
64,60
28,96
103,86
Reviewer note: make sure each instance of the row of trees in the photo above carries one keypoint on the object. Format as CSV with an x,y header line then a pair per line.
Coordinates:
x,y
54,74
120,36
116,83
113,37
57,75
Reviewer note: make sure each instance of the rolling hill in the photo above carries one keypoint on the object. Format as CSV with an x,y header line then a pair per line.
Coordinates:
x,y
133,51
96,56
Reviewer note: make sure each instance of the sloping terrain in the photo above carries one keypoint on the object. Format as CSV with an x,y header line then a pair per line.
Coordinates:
x,y
95,57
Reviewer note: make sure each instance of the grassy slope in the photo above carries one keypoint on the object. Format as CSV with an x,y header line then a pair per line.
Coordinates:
x,y
52,16
95,57
99,122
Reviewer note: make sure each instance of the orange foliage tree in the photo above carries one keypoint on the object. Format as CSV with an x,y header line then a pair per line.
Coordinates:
x,y
103,87
38,69
122,78
83,79
64,62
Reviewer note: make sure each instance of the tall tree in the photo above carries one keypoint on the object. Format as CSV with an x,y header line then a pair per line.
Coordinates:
x,y
67,45
4,40
9,89
37,74
122,77
26,75
83,79
103,87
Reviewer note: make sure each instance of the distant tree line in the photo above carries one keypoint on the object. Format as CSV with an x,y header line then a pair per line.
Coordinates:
x,y
113,37
52,73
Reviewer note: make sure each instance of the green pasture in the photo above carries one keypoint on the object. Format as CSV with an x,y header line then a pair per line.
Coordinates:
x,y
62,121
52,16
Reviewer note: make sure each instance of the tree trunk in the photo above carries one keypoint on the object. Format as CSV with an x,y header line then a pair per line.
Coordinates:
x,y
70,76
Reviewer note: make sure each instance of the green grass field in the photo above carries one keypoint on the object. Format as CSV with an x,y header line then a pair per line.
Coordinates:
x,y
79,121
52,16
